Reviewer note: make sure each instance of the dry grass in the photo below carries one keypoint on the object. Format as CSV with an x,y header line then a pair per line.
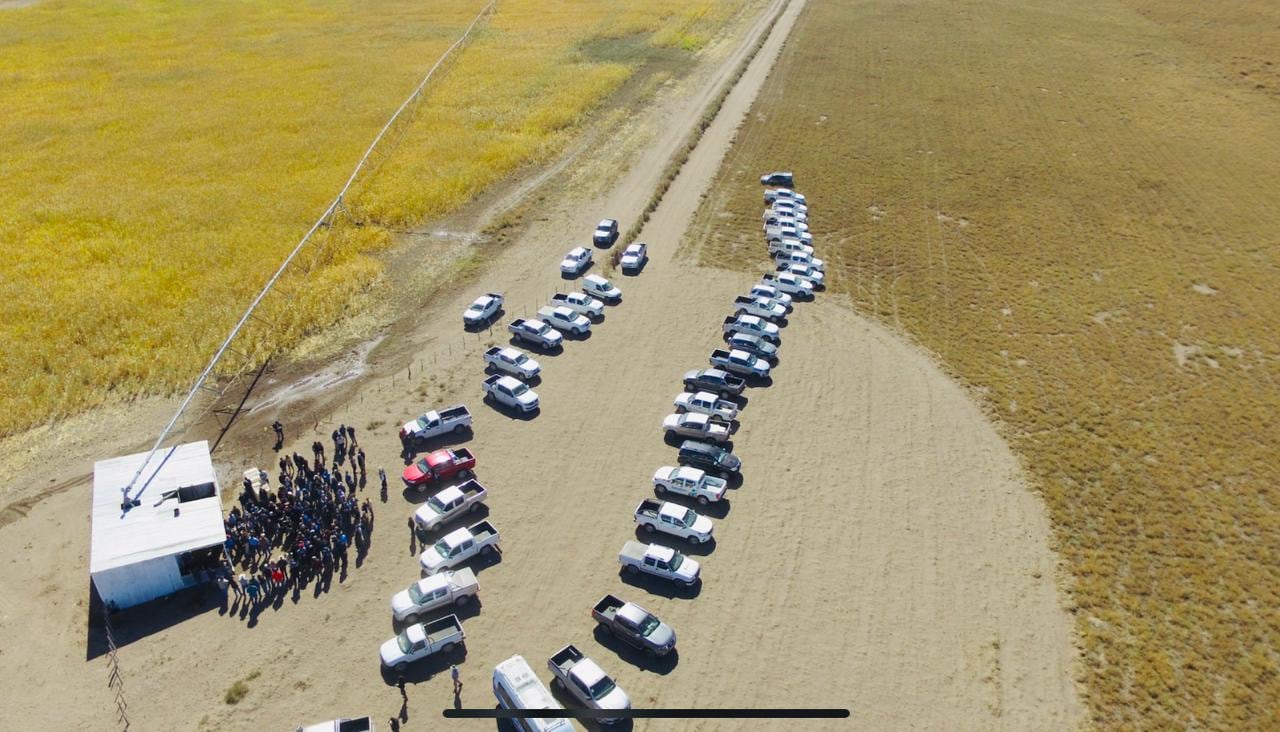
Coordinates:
x,y
1074,208
161,158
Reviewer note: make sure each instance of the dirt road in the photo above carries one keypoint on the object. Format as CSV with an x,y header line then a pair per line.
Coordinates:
x,y
882,553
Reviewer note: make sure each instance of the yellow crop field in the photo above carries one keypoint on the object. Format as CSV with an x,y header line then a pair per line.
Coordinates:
x,y
161,158
1073,205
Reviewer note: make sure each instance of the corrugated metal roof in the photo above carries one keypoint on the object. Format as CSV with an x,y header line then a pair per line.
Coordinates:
x,y
148,531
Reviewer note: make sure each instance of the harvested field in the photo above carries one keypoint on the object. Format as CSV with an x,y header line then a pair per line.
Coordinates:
x,y
1073,206
163,158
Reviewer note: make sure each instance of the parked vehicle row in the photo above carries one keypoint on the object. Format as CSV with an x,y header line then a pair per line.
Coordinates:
x,y
706,410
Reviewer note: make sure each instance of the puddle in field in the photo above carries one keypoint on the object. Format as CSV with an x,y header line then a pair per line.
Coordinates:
x,y
345,369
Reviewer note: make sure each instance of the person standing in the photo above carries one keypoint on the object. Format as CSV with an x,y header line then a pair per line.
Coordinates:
x,y
457,682
279,430
382,476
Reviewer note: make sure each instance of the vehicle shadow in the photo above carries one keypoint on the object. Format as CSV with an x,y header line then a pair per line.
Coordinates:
x,y
760,382
509,412
479,512
426,669
661,587
534,380
571,336
635,272
469,610
691,548
661,665
733,481
537,348
575,275
674,440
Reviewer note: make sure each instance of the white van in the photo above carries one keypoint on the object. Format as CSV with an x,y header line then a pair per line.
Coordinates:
x,y
516,687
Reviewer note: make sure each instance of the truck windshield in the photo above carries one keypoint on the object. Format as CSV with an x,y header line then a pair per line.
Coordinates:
x,y
443,549
649,625
602,688
415,594
676,561
403,642
519,390
435,503
687,521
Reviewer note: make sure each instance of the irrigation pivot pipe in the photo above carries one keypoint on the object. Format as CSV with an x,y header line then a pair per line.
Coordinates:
x,y
127,501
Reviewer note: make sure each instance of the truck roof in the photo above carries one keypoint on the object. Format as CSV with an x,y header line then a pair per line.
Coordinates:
x,y
449,494
439,457
632,613
673,511
685,472
427,585
660,553
456,537
415,633
587,671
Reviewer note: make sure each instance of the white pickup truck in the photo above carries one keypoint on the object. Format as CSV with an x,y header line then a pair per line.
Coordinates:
x,y
634,257
739,362
789,283
512,361
511,392
761,307
799,258
586,682
532,330
458,546
701,426
579,302
691,482
437,422
450,503
778,246
419,641
704,402
482,309
752,325
565,319
674,519
438,590
813,274
573,672
772,293
659,561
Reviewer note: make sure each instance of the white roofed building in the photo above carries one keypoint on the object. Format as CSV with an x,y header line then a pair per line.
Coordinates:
x,y
173,538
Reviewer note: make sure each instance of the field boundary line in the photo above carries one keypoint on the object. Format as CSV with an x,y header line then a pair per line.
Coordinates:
x,y
325,219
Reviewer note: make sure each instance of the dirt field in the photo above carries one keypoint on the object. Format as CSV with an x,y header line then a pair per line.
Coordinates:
x,y
1072,205
882,553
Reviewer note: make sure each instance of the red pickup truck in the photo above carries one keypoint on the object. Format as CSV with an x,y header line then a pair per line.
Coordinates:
x,y
440,465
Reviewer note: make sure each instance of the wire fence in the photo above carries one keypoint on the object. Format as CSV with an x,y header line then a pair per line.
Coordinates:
x,y
254,355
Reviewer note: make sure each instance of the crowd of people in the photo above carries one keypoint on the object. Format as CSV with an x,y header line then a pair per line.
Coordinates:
x,y
302,530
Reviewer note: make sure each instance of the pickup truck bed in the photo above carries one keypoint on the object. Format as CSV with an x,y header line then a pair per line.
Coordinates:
x,y
483,531
454,413
607,608
441,630
634,550
648,507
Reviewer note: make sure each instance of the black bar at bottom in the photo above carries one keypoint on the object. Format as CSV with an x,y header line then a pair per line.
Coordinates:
x,y
647,713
